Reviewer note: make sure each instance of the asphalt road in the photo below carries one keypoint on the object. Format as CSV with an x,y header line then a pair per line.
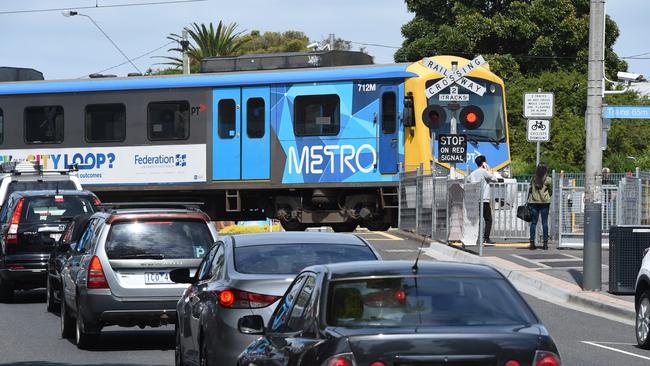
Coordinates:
x,y
30,336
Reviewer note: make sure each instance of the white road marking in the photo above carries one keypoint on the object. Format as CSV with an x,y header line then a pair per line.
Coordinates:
x,y
616,350
400,250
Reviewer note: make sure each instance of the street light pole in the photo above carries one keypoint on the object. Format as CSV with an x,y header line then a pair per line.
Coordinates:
x,y
594,154
71,13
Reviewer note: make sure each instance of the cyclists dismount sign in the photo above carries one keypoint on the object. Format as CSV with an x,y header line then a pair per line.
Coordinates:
x,y
539,130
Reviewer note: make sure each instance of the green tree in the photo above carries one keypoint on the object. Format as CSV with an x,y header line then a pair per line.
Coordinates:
x,y
206,41
273,42
532,44
521,36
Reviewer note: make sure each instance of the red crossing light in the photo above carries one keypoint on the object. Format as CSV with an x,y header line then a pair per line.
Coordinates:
x,y
471,117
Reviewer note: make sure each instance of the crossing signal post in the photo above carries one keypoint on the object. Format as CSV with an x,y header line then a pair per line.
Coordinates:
x,y
471,117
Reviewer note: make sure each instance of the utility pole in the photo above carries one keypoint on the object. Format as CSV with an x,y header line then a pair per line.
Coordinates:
x,y
185,44
592,262
331,41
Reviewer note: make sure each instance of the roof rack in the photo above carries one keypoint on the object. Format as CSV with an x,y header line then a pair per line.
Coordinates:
x,y
182,205
33,167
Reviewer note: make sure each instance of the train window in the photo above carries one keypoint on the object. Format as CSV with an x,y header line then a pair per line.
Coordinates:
x,y
44,124
2,126
316,115
227,118
105,122
255,118
168,120
388,113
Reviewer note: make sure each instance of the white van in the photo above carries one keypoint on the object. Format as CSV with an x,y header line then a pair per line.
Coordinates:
x,y
29,176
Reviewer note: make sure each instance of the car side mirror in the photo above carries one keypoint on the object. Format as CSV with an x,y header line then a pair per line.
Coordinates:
x,y
181,275
251,324
63,247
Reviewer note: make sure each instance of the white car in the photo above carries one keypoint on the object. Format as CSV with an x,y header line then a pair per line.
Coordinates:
x,y
642,302
29,176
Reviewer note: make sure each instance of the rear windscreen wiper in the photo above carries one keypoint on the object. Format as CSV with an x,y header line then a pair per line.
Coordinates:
x,y
142,256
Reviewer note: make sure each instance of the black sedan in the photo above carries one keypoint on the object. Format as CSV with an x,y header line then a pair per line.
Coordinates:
x,y
391,314
64,248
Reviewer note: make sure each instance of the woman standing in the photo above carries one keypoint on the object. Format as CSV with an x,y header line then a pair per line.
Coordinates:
x,y
539,200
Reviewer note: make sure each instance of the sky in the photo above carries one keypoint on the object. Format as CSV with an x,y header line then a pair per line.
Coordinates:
x,y
64,48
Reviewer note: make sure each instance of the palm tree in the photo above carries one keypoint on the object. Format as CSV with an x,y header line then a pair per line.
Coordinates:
x,y
206,42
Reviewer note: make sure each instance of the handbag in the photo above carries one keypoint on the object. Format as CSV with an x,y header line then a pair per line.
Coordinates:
x,y
524,213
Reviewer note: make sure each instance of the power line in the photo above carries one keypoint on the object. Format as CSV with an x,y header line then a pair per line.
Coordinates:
x,y
110,39
131,60
375,45
635,56
100,6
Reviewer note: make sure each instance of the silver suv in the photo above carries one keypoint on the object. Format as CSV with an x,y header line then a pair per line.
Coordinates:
x,y
118,271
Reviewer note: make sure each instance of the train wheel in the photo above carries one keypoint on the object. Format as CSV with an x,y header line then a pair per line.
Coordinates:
x,y
347,227
292,225
376,225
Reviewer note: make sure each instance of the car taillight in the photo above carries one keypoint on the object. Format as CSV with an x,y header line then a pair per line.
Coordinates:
x,y
345,359
96,201
58,198
512,363
545,358
12,232
377,363
96,277
238,299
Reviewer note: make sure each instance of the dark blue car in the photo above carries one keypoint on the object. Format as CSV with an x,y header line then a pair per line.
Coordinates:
x,y
391,314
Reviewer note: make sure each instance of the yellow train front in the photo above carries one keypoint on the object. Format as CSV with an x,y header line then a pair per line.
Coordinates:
x,y
482,118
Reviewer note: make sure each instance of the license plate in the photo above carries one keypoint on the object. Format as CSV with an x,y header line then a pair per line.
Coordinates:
x,y
56,237
156,278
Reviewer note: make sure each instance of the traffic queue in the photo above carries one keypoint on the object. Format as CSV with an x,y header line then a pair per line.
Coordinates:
x,y
300,298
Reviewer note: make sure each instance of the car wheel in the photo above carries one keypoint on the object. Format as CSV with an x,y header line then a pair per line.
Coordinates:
x,y
50,300
67,322
178,351
82,337
643,320
6,292
203,356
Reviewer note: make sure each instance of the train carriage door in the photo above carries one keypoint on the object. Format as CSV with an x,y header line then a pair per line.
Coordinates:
x,y
388,131
256,129
226,132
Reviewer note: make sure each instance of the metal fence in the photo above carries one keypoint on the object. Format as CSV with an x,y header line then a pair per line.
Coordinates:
x,y
450,210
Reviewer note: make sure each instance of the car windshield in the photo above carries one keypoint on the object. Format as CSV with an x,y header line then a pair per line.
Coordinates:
x,y
54,208
158,239
291,258
36,185
425,301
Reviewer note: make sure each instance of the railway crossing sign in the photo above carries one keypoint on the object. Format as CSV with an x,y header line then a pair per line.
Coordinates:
x,y
538,105
452,148
539,130
454,77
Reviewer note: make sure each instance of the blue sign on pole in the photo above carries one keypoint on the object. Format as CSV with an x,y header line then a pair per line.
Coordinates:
x,y
626,112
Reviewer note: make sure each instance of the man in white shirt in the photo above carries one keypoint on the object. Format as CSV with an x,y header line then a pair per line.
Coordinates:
x,y
484,176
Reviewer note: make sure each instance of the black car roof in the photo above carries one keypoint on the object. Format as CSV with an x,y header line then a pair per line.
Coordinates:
x,y
404,268
62,192
243,240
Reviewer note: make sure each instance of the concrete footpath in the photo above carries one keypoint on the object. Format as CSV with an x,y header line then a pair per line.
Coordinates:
x,y
531,279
